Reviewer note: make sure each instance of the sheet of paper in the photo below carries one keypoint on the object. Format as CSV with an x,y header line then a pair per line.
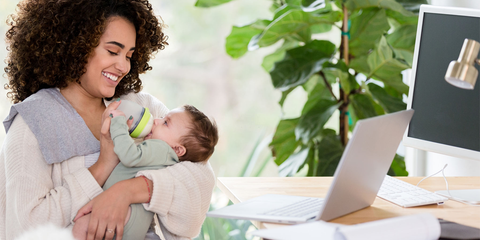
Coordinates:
x,y
307,231
423,226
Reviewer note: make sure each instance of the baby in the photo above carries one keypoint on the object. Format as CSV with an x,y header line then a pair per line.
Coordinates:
x,y
184,134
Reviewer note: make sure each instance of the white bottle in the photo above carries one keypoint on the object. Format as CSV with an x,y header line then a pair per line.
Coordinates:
x,y
142,118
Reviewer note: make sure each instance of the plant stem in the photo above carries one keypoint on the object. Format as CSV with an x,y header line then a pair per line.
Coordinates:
x,y
343,96
322,74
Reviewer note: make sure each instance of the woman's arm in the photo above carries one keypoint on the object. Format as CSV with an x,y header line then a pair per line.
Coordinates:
x,y
109,209
107,160
181,196
37,192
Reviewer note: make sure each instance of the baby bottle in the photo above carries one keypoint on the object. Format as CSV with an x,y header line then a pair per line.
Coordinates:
x,y
142,119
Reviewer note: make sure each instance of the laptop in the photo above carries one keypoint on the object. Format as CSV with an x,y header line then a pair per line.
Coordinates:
x,y
356,182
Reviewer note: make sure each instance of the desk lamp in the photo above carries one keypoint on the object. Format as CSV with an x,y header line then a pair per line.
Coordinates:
x,y
463,74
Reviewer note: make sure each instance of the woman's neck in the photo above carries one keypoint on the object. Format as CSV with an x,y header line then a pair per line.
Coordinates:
x,y
90,108
81,100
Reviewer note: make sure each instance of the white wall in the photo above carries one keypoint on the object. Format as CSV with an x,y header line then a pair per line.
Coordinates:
x,y
457,3
421,163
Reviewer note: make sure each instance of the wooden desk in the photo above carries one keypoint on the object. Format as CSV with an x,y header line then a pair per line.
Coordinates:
x,y
239,189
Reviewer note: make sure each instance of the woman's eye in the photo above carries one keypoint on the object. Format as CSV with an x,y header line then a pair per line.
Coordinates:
x,y
112,53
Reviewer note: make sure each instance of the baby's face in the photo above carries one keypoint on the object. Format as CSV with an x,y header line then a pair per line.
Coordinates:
x,y
171,128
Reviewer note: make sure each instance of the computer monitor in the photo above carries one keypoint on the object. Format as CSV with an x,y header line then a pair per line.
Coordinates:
x,y
447,118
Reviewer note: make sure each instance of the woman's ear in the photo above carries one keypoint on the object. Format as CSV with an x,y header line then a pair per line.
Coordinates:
x,y
180,150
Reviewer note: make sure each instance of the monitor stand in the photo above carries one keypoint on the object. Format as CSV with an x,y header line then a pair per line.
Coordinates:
x,y
468,196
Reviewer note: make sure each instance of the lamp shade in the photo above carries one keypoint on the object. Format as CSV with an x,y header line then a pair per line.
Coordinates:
x,y
462,73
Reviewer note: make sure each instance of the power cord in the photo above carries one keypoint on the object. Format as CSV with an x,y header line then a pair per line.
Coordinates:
x,y
443,173
446,184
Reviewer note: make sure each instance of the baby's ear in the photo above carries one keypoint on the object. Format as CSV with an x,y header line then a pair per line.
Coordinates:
x,y
180,150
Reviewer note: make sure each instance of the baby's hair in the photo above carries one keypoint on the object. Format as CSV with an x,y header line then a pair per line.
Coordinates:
x,y
202,137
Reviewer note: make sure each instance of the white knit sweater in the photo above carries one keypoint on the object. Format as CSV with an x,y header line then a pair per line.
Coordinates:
x,y
33,192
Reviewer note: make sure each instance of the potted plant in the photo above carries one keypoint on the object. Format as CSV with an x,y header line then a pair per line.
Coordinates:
x,y
360,77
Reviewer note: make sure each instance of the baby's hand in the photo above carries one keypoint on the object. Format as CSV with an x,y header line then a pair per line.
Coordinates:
x,y
116,113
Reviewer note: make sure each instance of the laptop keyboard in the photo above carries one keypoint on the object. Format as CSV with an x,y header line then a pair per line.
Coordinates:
x,y
407,195
298,209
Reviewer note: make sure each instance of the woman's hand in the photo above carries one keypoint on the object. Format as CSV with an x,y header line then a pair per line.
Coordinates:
x,y
109,209
108,213
107,160
106,142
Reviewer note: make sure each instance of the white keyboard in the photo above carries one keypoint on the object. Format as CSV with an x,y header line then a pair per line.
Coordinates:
x,y
301,208
407,195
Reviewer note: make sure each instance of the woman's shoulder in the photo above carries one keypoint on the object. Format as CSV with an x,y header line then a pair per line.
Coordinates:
x,y
20,134
53,122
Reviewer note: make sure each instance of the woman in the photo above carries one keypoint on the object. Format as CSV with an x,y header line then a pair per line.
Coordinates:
x,y
65,58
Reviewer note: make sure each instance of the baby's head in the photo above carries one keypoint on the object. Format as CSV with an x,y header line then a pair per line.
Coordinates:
x,y
190,133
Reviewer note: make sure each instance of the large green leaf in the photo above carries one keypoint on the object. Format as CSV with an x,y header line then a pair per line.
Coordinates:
x,y
363,106
320,28
285,94
339,71
330,151
320,91
385,68
386,4
294,3
237,41
283,9
311,161
311,123
398,167
270,60
313,5
360,65
301,63
290,166
412,5
295,24
284,143
210,3
394,80
367,27
402,19
402,41
309,5
311,84
389,103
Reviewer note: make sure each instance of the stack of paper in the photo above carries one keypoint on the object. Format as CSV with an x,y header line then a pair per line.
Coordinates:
x,y
423,226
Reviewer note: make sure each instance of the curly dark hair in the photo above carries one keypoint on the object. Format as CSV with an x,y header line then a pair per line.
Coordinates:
x,y
50,41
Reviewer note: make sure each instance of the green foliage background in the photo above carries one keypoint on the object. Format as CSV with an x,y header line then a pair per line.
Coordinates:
x,y
364,83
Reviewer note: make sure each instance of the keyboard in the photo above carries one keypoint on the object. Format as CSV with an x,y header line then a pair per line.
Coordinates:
x,y
301,208
407,195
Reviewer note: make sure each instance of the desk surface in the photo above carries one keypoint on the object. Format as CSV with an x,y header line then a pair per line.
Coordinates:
x,y
239,189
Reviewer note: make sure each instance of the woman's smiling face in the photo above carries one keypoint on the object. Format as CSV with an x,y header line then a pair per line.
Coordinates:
x,y
110,60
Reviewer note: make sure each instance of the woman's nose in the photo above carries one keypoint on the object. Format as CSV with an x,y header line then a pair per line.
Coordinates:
x,y
123,66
